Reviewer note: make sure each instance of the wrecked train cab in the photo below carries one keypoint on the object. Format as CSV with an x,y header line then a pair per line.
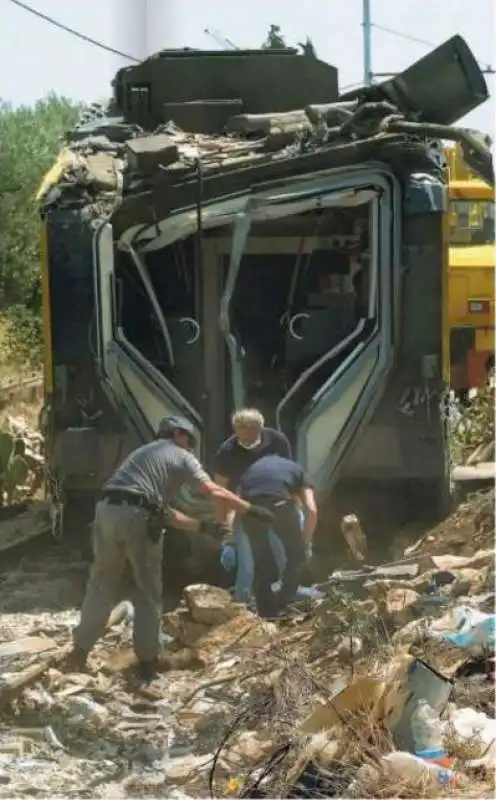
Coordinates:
x,y
255,249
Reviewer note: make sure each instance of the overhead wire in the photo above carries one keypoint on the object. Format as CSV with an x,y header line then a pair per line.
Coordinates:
x,y
82,36
487,68
401,35
102,46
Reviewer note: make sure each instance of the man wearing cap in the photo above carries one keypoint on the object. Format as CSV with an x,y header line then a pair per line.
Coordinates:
x,y
128,530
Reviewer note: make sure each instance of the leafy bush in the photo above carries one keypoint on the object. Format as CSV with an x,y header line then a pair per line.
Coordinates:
x,y
30,138
22,336
473,426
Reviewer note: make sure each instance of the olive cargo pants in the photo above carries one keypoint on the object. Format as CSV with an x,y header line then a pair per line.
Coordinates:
x,y
120,537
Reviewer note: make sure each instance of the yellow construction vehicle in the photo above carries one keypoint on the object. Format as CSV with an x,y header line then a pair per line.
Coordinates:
x,y
471,266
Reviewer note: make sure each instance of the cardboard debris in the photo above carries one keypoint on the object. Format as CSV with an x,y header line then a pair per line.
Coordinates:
x,y
362,697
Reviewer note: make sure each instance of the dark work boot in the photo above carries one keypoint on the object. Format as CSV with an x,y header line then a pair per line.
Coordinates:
x,y
147,670
77,659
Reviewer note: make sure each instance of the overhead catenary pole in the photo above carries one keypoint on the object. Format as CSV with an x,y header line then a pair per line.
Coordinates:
x,y
367,43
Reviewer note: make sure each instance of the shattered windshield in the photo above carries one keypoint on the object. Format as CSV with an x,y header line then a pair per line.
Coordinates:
x,y
471,222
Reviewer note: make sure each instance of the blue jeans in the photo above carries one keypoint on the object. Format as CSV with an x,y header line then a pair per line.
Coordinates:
x,y
244,576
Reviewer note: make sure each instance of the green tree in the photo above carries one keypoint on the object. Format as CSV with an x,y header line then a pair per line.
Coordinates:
x,y
275,40
30,138
308,48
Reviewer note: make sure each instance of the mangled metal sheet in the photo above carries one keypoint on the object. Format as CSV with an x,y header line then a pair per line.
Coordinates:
x,y
419,105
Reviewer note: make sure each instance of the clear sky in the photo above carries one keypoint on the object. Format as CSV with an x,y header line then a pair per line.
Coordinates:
x,y
36,58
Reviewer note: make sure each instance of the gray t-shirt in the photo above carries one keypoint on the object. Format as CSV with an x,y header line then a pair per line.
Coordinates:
x,y
157,471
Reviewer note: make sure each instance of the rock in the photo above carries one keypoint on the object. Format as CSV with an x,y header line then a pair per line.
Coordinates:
x,y
209,605
181,626
100,170
209,647
146,153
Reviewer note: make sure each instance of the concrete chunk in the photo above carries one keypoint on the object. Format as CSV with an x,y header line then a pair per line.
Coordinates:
x,y
147,153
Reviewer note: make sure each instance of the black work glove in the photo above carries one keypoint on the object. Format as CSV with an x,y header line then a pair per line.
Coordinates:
x,y
261,513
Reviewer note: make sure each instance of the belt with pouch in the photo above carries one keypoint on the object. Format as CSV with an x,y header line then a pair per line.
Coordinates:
x,y
117,497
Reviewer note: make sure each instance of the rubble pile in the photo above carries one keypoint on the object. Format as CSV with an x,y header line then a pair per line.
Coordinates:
x,y
21,460
107,159
386,682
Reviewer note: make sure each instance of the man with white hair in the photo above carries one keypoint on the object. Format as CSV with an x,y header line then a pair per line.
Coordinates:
x,y
130,518
251,441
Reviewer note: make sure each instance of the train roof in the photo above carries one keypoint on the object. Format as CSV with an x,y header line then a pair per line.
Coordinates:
x,y
210,143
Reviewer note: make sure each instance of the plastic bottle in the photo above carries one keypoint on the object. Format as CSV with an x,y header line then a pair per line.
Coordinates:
x,y
405,764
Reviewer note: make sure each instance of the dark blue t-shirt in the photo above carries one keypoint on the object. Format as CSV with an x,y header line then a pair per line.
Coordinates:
x,y
232,460
273,476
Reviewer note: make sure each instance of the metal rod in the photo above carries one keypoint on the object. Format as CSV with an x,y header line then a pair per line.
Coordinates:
x,y
367,43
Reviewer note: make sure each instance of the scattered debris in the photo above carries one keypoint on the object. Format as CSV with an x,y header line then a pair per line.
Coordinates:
x,y
366,691
21,461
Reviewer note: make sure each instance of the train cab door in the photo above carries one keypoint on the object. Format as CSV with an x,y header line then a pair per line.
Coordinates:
x,y
335,393
142,394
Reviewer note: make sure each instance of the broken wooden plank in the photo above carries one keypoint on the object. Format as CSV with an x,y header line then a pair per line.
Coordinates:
x,y
21,680
28,645
269,124
484,471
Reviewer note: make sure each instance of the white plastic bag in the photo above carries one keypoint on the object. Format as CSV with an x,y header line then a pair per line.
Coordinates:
x,y
474,726
471,629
